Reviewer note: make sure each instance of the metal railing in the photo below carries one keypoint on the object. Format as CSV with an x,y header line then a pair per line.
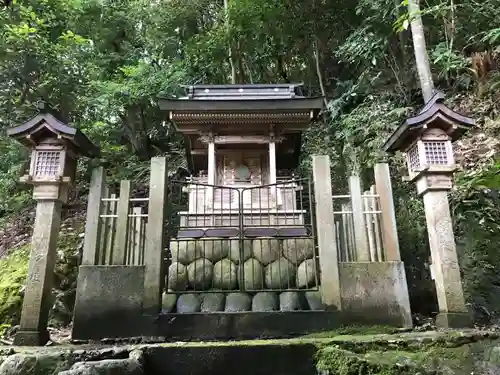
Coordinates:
x,y
241,238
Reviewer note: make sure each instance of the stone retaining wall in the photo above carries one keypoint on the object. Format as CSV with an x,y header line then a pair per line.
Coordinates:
x,y
263,274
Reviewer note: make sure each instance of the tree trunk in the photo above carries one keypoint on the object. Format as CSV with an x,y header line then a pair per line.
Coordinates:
x,y
318,70
419,46
401,38
135,131
231,52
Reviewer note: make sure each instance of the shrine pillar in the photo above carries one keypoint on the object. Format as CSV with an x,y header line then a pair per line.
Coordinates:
x,y
210,172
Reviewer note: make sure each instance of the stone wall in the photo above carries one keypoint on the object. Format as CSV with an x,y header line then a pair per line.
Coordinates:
x,y
264,274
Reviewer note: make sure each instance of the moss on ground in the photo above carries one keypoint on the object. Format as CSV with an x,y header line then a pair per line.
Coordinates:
x,y
37,364
444,355
355,330
336,361
422,353
13,271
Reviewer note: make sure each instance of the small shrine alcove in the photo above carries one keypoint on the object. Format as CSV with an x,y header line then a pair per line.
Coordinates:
x,y
242,223
242,146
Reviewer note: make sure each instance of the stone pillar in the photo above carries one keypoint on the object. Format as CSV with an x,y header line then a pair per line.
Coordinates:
x,y
325,229
452,309
55,150
122,225
383,188
426,139
155,241
358,215
38,293
93,232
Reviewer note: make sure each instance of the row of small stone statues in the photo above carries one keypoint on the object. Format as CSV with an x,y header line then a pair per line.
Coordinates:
x,y
228,264
209,302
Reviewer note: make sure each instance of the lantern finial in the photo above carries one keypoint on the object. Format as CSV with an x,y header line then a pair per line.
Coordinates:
x,y
41,105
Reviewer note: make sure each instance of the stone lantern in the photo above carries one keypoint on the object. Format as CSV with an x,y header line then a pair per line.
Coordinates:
x,y
55,150
426,139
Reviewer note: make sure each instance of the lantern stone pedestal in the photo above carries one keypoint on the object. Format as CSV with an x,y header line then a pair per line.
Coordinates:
x,y
55,149
38,292
426,139
446,271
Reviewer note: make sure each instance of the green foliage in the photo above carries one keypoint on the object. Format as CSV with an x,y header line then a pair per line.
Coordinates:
x,y
477,215
449,63
414,248
12,164
486,179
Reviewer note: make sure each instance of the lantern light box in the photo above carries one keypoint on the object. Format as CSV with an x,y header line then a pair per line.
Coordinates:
x,y
427,139
55,150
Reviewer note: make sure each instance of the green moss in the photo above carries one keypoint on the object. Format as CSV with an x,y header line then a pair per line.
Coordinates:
x,y
355,330
13,271
441,360
336,361
341,358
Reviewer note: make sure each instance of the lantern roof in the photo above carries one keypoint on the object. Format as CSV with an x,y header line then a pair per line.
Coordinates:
x,y
45,125
434,114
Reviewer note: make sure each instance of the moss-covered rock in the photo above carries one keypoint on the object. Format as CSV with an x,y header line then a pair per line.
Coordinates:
x,y
13,271
34,364
451,354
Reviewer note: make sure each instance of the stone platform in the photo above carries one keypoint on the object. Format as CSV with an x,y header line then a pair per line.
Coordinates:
x,y
360,350
111,312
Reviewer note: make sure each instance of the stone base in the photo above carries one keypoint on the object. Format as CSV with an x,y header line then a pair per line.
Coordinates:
x,y
246,325
108,299
31,338
378,289
454,320
372,293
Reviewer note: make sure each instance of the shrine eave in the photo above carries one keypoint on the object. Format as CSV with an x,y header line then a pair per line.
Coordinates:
x,y
229,107
293,120
434,114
